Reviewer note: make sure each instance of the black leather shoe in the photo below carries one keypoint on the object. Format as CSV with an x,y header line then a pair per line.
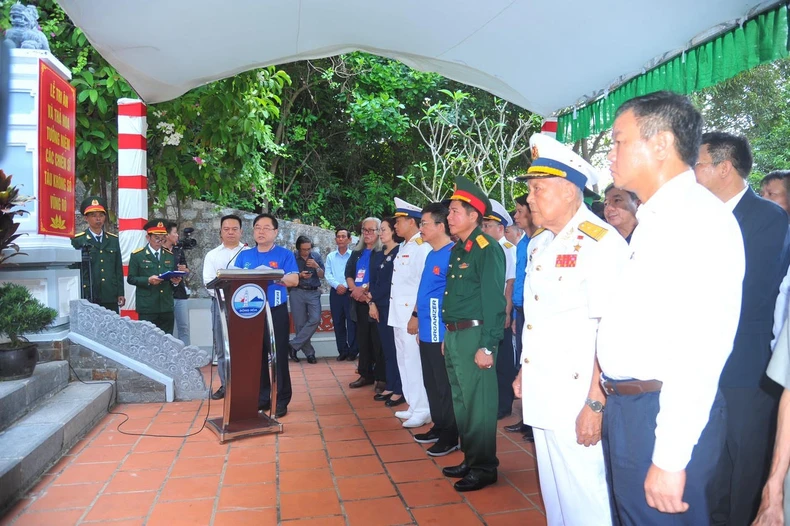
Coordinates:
x,y
528,434
265,406
281,412
395,403
380,386
475,480
341,358
518,427
292,354
219,394
381,397
360,382
456,472
311,359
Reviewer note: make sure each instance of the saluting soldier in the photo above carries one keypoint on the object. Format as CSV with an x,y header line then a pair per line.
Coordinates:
x,y
474,315
573,258
104,252
146,264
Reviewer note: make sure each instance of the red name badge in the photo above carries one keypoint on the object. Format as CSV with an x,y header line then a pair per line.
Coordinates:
x,y
437,270
273,264
566,260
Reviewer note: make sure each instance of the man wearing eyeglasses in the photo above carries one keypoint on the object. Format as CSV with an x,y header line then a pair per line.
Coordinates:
x,y
264,230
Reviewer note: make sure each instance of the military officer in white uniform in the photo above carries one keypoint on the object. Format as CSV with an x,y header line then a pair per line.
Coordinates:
x,y
494,225
572,259
406,274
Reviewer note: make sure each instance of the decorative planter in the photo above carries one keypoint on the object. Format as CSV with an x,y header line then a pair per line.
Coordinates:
x,y
17,363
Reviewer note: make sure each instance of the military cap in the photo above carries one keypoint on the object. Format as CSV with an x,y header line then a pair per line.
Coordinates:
x,y
551,158
155,226
404,209
93,203
498,213
468,192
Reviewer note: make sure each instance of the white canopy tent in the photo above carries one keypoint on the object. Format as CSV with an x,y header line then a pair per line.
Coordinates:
x,y
541,55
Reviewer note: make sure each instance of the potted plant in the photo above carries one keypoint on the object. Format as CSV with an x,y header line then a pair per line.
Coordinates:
x,y
10,198
20,313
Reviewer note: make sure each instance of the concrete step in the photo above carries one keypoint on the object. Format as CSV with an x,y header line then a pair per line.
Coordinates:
x,y
38,440
19,397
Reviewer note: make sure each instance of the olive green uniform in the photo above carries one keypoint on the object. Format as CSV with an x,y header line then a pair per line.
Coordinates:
x,y
106,269
154,302
475,281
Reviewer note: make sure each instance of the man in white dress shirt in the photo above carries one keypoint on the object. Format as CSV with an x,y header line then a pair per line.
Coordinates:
x,y
406,273
671,321
220,258
571,262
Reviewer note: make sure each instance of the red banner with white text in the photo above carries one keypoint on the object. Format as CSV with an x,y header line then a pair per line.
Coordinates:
x,y
56,153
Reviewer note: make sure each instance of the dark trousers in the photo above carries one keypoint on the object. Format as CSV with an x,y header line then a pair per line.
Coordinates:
x,y
306,314
281,328
629,425
387,338
743,468
440,395
474,399
506,371
113,306
371,359
163,320
345,328
519,331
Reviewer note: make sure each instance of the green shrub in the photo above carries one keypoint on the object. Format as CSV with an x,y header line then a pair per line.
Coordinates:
x,y
20,313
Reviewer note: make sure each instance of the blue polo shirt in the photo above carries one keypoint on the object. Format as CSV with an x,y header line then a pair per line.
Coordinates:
x,y
430,295
278,258
363,269
521,271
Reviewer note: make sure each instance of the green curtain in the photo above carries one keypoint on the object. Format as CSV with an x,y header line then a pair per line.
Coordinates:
x,y
759,40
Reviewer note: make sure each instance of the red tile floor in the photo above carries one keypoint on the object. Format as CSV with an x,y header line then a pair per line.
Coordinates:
x,y
343,459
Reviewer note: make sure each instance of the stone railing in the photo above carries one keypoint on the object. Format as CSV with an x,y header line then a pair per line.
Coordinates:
x,y
141,346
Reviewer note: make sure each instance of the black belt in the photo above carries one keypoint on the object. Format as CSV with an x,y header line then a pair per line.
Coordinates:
x,y
461,325
518,309
630,387
305,287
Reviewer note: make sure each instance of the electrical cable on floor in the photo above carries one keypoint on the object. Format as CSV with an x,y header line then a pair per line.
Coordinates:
x,y
112,397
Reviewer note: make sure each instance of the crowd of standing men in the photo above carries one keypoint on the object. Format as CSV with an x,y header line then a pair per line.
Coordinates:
x,y
640,342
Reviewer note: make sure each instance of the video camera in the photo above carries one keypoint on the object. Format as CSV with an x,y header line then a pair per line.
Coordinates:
x,y
186,242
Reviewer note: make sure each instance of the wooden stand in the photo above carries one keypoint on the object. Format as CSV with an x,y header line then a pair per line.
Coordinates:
x,y
245,313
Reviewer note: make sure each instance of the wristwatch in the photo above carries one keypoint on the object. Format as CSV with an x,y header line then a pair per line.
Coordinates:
x,y
595,405
414,314
488,353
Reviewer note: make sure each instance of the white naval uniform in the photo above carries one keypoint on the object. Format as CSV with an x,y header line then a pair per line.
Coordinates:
x,y
510,274
565,292
406,273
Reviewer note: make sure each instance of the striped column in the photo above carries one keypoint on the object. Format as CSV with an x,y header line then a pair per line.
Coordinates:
x,y
549,127
132,187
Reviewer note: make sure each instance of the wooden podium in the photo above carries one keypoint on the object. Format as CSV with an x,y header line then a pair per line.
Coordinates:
x,y
244,314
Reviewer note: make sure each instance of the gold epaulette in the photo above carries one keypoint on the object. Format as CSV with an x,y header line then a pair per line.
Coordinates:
x,y
508,244
419,240
163,248
594,231
80,234
138,250
482,242
537,232
111,234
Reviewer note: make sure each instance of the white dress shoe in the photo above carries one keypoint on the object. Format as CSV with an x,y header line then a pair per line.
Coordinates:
x,y
417,421
404,415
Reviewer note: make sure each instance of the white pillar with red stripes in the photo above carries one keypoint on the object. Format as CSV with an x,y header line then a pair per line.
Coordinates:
x,y
549,127
132,187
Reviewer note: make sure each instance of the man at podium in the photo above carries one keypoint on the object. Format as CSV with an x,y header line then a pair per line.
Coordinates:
x,y
267,254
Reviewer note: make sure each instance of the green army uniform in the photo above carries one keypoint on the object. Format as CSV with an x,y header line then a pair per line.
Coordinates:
x,y
154,302
106,267
475,281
